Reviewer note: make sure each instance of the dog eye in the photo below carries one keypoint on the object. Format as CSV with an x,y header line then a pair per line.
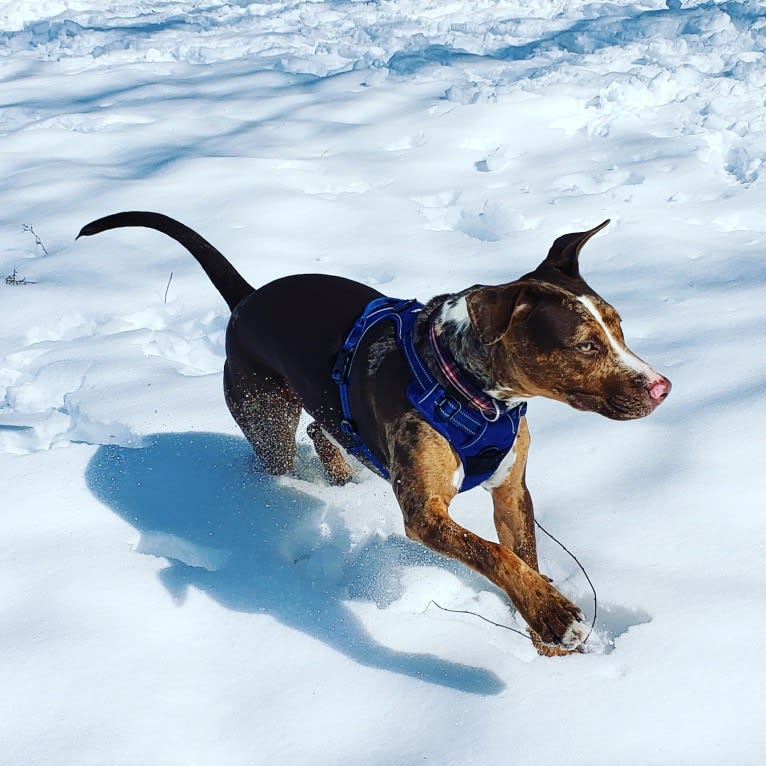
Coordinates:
x,y
588,347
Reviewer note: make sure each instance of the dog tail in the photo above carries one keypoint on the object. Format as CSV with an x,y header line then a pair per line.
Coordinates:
x,y
227,280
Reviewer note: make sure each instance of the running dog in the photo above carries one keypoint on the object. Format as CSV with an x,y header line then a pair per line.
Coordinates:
x,y
430,396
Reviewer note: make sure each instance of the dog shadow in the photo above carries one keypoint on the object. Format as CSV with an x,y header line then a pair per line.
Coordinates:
x,y
256,544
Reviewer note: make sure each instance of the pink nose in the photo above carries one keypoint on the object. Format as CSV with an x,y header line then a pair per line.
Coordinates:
x,y
659,388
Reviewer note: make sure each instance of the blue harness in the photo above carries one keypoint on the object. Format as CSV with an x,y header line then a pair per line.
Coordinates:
x,y
481,442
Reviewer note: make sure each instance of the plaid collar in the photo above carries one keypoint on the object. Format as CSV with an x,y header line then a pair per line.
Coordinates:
x,y
460,380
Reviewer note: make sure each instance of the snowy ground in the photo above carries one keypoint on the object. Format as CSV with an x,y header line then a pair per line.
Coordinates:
x,y
161,601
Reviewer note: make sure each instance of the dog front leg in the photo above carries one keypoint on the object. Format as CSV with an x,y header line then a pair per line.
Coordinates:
x,y
514,514
423,470
515,517
336,469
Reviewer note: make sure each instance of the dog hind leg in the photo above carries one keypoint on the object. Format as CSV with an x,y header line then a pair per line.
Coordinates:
x,y
336,469
267,410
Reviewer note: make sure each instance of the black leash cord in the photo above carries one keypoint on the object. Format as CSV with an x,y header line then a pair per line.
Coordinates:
x,y
481,617
515,630
582,569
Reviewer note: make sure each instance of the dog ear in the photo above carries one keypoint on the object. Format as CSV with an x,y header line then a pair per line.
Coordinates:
x,y
492,309
565,251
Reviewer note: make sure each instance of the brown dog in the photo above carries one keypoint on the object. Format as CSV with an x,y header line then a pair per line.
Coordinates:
x,y
545,334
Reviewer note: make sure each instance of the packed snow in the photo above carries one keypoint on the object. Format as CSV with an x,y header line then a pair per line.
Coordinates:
x,y
165,602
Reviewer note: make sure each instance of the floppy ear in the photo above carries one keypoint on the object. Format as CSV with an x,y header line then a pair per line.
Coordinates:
x,y
492,309
565,251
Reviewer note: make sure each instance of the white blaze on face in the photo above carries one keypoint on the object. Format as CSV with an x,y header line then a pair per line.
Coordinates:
x,y
627,357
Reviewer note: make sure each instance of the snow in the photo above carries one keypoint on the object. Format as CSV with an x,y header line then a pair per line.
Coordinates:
x,y
162,601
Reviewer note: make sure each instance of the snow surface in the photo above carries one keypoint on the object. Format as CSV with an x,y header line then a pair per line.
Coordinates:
x,y
162,601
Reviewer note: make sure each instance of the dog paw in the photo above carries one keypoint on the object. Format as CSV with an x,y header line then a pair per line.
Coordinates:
x,y
546,650
575,634
557,621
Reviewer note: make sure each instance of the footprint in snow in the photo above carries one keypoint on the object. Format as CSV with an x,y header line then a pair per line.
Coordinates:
x,y
480,218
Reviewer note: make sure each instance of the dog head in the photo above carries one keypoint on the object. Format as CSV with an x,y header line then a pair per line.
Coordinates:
x,y
549,334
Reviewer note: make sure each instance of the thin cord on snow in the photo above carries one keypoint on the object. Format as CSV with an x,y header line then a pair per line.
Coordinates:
x,y
515,630
481,617
582,569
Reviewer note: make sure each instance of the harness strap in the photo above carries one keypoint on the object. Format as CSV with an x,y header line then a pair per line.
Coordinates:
x,y
481,437
375,311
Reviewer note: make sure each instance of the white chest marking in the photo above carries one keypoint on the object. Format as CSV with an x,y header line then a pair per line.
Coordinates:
x,y
505,394
629,359
501,474
457,477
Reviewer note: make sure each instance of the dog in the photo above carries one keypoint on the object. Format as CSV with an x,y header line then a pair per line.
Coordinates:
x,y
431,396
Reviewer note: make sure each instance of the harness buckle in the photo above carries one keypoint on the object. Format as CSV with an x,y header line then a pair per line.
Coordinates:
x,y
447,407
342,365
357,446
402,306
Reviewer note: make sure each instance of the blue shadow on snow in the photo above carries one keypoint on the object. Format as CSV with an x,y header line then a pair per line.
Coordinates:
x,y
195,497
